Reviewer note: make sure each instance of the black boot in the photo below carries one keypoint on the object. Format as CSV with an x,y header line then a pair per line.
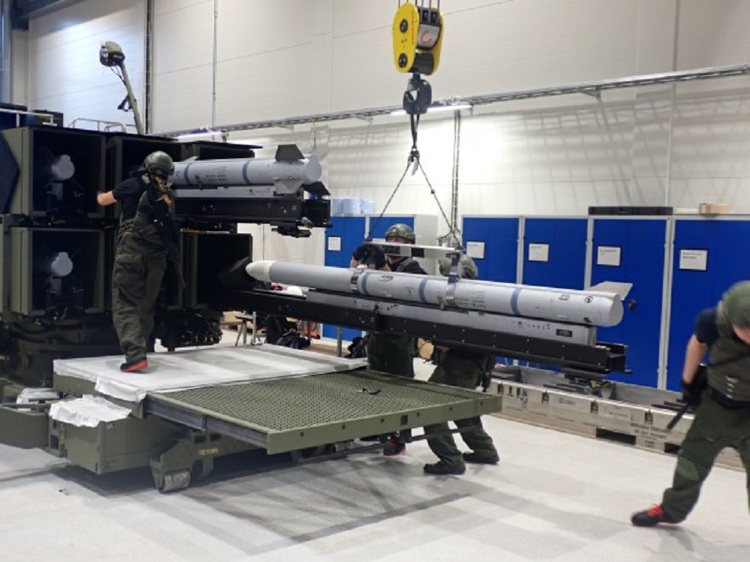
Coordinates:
x,y
477,458
442,467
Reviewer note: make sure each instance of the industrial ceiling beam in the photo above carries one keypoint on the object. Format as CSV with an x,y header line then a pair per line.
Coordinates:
x,y
26,10
588,88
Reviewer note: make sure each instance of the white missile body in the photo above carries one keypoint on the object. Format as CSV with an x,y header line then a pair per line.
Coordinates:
x,y
247,171
590,308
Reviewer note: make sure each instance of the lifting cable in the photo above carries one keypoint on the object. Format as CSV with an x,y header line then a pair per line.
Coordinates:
x,y
417,41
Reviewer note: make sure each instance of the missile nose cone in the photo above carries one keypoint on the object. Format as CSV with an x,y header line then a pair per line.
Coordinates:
x,y
260,270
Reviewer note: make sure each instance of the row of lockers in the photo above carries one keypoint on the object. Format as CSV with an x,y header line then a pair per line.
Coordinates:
x,y
677,265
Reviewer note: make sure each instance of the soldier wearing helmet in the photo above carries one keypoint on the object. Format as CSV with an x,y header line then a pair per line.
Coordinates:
x,y
147,237
390,353
722,401
464,369
372,255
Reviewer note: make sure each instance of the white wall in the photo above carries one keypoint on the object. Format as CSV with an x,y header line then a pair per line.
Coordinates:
x,y
19,67
64,70
674,145
183,63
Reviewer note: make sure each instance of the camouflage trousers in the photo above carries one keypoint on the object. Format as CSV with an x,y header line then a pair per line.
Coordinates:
x,y
714,428
136,281
462,373
391,354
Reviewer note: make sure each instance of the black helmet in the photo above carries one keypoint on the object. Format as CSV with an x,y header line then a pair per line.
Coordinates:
x,y
736,304
159,162
401,230
468,269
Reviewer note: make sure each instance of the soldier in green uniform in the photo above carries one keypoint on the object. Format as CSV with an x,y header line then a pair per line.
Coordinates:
x,y
464,369
390,353
146,240
722,418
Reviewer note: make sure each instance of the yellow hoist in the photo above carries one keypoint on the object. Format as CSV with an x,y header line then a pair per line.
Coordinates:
x,y
417,41
417,37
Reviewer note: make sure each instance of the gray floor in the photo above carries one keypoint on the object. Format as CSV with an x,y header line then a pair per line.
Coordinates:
x,y
555,496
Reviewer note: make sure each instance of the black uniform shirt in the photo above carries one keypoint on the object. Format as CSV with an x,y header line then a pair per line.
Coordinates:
x,y
706,330
128,192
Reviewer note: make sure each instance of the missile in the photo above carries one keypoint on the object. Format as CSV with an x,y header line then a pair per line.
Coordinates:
x,y
590,308
287,172
528,327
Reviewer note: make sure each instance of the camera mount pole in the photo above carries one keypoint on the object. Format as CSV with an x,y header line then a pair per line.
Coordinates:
x,y
112,56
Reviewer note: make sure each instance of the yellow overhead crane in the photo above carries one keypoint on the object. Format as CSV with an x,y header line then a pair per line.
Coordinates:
x,y
417,41
417,37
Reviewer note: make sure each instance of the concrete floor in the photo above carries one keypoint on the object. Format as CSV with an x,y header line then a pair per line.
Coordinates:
x,y
555,496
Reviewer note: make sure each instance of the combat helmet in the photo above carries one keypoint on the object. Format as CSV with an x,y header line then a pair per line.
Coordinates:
x,y
159,163
401,230
736,304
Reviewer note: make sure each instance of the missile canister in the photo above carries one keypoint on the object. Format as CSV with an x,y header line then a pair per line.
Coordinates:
x,y
246,171
592,308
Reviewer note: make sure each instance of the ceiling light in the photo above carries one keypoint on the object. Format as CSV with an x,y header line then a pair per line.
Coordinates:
x,y
438,108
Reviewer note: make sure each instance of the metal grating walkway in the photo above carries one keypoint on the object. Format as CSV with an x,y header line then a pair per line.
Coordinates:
x,y
296,412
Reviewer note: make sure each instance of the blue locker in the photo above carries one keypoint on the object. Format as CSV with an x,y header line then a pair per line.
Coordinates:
x,y
566,242
728,261
346,233
641,244
500,238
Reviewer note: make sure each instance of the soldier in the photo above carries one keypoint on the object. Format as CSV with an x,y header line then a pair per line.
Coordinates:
x,y
464,369
146,240
722,418
390,353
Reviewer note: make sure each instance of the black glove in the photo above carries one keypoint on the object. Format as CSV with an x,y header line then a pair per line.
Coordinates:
x,y
376,257
371,254
692,392
361,252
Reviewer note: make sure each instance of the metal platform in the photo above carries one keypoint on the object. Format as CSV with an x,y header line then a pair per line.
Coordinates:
x,y
193,406
295,413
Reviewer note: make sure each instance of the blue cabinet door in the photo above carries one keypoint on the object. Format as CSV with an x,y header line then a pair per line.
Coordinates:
x,y
500,238
641,245
693,289
346,233
565,241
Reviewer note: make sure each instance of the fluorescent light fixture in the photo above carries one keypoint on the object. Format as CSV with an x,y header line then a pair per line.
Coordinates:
x,y
199,133
439,108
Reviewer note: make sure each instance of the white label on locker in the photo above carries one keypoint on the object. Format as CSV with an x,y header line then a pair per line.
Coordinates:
x,y
475,250
608,255
334,243
539,252
694,260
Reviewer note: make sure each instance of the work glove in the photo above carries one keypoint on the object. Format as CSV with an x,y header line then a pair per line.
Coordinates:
x,y
371,254
376,257
692,392
361,252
